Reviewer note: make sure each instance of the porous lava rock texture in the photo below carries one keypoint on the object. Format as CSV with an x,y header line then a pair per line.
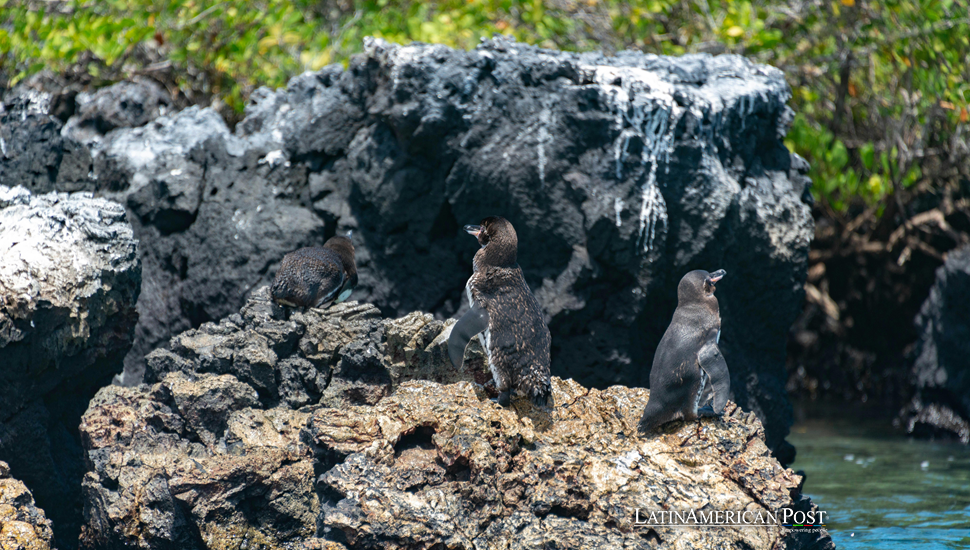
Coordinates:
x,y
338,429
941,370
620,174
69,280
23,525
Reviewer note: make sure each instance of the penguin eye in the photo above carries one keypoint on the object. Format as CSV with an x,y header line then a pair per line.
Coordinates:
x,y
483,237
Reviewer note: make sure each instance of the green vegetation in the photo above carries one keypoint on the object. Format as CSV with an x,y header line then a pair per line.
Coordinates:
x,y
881,87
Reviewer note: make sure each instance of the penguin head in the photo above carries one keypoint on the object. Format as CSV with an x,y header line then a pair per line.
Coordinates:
x,y
698,286
498,240
345,249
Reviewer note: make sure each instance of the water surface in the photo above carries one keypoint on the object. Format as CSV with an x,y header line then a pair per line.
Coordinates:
x,y
883,490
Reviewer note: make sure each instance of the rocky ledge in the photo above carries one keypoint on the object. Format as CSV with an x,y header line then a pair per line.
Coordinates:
x,y
338,429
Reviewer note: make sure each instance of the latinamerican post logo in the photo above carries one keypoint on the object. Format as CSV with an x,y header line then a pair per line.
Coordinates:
x,y
786,517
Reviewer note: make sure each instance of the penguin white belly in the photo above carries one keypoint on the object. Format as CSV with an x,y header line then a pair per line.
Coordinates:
x,y
700,391
468,292
485,338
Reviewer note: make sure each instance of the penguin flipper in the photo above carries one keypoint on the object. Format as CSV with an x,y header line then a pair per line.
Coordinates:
x,y
713,363
326,290
473,322
350,283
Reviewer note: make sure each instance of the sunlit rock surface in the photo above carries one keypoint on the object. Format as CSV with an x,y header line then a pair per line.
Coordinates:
x,y
23,525
327,429
69,280
620,173
941,370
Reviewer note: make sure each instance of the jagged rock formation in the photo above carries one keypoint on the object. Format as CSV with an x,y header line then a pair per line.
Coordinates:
x,y
124,105
336,357
69,280
619,173
941,371
319,431
23,525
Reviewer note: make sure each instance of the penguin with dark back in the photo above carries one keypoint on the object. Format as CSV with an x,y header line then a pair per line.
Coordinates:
x,y
688,368
317,276
506,317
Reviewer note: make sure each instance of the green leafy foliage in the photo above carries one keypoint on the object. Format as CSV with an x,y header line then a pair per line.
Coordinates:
x,y
881,87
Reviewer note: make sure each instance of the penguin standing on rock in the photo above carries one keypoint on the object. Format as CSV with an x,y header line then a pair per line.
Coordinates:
x,y
688,367
505,315
317,276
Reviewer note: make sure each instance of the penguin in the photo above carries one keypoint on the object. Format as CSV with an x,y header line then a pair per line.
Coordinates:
x,y
505,316
317,276
688,368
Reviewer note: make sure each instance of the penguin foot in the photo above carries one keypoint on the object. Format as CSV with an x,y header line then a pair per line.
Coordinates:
x,y
707,411
504,398
540,399
649,426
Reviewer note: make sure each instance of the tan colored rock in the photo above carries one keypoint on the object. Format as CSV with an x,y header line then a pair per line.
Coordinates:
x,y
418,349
23,526
160,481
397,449
441,464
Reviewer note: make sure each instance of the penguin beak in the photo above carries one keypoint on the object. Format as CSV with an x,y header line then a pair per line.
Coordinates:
x,y
473,229
717,276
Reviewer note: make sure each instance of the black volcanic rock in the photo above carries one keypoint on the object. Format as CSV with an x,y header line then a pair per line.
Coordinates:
x,y
33,153
123,105
620,174
69,280
941,370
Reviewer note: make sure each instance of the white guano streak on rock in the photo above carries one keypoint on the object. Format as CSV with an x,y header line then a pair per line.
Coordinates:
x,y
545,119
645,108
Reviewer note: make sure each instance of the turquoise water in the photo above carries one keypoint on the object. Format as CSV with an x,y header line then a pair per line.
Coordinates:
x,y
883,490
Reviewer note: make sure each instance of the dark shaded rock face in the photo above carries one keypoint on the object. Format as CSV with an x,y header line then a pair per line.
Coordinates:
x,y
33,153
69,280
941,372
620,174
336,429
